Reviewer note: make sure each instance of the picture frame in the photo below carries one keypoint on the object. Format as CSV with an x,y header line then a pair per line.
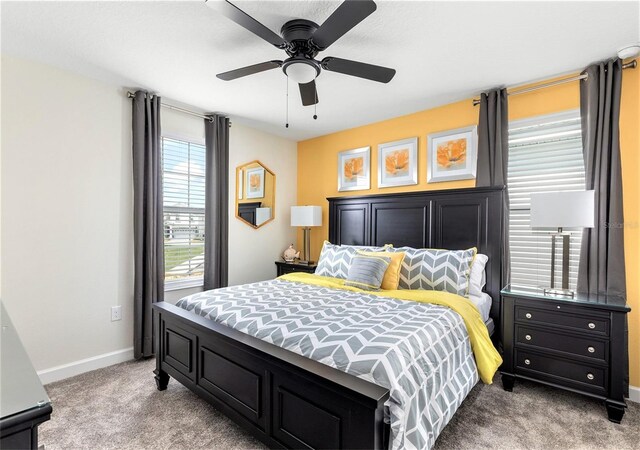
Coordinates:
x,y
240,177
398,163
354,169
452,155
254,182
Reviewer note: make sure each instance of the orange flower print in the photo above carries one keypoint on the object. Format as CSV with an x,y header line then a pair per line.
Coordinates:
x,y
397,163
353,168
452,154
254,182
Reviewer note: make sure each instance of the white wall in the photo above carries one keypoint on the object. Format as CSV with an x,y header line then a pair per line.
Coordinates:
x,y
66,217
66,212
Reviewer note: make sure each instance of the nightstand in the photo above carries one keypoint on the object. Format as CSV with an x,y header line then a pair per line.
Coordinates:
x,y
577,344
285,267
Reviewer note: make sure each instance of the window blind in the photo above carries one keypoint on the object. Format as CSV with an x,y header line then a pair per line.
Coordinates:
x,y
545,155
183,208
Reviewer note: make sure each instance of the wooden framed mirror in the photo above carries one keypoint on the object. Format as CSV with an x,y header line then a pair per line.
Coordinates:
x,y
255,194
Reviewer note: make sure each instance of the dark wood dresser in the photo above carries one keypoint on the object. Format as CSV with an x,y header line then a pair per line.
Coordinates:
x,y
285,267
577,344
24,403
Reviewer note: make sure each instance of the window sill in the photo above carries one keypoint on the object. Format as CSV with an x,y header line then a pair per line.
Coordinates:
x,y
183,284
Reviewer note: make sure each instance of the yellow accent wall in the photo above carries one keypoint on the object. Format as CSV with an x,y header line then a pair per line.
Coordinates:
x,y
630,149
318,167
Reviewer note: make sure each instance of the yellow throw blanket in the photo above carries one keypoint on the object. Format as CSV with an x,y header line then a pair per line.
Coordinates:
x,y
487,357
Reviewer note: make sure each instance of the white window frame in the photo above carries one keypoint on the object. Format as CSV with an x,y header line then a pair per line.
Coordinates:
x,y
188,282
575,235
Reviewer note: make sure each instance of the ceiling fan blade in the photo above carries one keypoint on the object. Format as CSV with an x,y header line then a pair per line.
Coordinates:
x,y
243,19
309,93
349,14
249,70
358,69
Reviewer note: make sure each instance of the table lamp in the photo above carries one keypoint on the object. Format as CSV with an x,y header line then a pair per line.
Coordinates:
x,y
561,211
306,217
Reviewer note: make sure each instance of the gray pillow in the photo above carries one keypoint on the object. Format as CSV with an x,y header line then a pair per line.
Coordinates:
x,y
367,272
335,260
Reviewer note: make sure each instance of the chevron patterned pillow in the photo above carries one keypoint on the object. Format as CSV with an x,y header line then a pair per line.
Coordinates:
x,y
335,260
436,270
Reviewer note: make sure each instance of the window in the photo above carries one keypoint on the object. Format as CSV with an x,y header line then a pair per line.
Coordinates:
x,y
183,189
545,155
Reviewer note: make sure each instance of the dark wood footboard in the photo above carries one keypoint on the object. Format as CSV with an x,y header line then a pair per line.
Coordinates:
x,y
282,398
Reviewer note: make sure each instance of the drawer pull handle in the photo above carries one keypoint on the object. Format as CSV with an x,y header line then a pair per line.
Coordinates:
x,y
592,325
591,350
590,376
527,362
528,315
528,337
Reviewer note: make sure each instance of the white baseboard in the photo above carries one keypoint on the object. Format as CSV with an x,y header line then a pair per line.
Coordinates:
x,y
634,394
84,365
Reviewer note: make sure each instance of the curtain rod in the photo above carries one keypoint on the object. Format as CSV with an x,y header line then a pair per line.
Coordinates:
x,y
629,65
177,108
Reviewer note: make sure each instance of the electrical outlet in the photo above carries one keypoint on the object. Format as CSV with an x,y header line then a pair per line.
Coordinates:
x,y
116,313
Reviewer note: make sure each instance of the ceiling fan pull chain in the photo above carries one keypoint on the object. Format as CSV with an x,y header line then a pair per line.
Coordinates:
x,y
315,108
287,107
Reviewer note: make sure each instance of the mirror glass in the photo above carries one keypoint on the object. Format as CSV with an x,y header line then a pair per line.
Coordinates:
x,y
255,194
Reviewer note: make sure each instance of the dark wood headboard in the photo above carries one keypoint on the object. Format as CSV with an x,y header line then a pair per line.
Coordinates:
x,y
454,219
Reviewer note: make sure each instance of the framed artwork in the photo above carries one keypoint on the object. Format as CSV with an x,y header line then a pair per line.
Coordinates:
x,y
255,182
453,155
398,163
353,169
240,178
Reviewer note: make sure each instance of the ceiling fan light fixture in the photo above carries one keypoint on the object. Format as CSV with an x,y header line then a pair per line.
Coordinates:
x,y
301,71
302,40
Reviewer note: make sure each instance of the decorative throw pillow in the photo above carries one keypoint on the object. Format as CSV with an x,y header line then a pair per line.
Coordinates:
x,y
437,270
478,277
392,275
335,260
367,272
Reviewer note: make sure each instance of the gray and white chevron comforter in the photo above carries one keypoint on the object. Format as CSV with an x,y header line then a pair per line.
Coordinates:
x,y
420,352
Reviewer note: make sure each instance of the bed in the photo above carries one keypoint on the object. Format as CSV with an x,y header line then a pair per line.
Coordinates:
x,y
281,394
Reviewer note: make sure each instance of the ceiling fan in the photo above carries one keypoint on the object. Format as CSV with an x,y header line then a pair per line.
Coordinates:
x,y
302,40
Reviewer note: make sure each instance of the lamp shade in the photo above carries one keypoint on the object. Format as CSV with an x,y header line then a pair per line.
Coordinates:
x,y
563,210
306,216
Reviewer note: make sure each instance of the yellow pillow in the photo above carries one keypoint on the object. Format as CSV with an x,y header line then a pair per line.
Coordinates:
x,y
392,275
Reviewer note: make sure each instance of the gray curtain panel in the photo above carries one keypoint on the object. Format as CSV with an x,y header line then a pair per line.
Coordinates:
x,y
602,268
216,225
602,255
493,158
147,220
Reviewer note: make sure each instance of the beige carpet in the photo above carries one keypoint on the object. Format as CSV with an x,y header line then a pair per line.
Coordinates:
x,y
119,407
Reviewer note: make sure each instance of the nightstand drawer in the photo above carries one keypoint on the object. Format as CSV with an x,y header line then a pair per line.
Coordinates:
x,y
595,323
556,370
562,342
290,269
285,268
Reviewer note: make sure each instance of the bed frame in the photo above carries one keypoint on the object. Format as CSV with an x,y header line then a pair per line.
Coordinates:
x,y
287,400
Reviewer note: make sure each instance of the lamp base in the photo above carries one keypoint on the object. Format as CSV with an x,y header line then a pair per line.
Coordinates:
x,y
565,260
306,250
559,292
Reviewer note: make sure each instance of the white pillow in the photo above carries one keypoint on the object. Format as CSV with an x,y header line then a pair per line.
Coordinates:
x,y
478,278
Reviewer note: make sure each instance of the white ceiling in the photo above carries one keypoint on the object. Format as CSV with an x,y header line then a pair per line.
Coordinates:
x,y
442,51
